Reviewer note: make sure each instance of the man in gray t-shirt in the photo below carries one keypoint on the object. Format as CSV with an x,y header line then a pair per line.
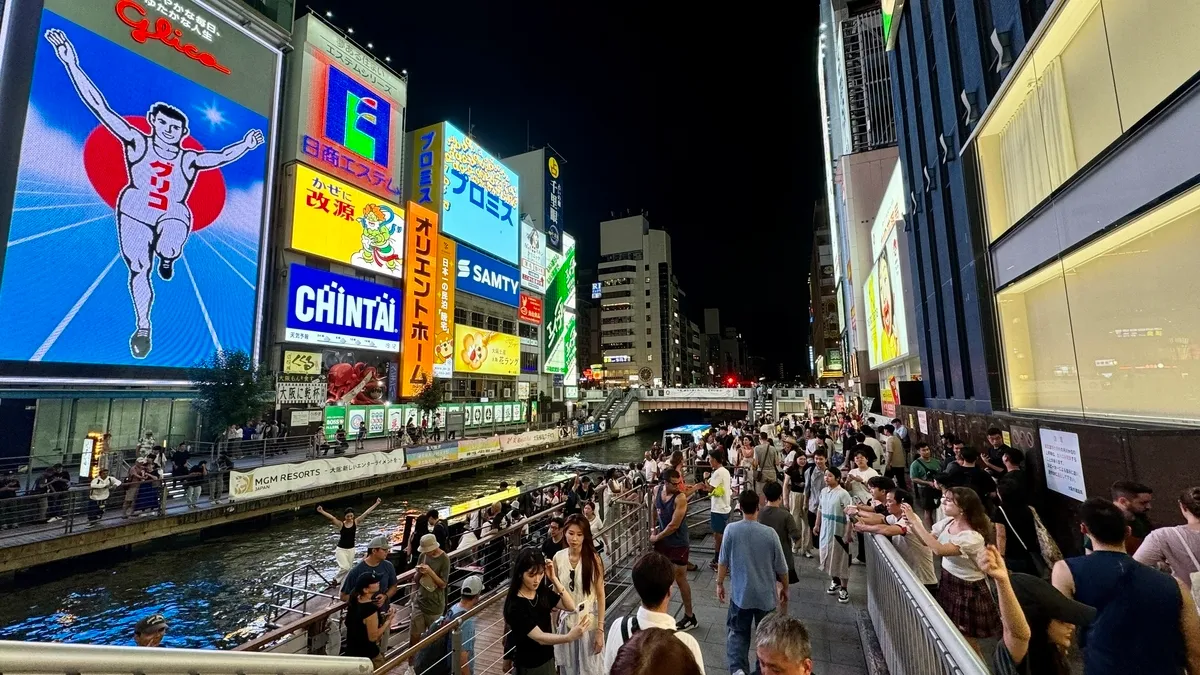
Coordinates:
x,y
767,459
752,557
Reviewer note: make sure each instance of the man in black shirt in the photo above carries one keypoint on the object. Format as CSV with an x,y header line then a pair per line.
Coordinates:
x,y
968,474
58,480
993,458
581,493
554,541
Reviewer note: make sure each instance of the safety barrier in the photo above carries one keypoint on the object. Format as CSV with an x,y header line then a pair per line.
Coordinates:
x,y
916,636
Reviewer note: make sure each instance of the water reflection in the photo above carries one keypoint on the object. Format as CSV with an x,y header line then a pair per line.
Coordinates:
x,y
214,593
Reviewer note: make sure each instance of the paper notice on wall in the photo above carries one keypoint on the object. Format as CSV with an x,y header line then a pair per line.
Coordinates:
x,y
923,422
1062,463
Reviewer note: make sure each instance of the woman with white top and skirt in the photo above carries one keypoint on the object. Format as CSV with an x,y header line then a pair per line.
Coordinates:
x,y
580,569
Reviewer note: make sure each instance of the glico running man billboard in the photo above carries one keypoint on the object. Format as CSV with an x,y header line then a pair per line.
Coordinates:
x,y
136,227
475,194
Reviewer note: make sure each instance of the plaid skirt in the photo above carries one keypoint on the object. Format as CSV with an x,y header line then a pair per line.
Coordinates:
x,y
970,606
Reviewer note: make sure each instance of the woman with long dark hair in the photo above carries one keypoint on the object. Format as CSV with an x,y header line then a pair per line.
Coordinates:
x,y
580,565
653,651
527,613
365,624
959,539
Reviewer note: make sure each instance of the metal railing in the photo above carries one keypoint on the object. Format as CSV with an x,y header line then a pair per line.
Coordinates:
x,y
916,636
56,657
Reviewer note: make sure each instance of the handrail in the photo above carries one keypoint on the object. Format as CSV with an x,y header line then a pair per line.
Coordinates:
x,y
57,657
915,634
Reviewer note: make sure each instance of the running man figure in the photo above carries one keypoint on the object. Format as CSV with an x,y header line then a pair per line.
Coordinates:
x,y
153,217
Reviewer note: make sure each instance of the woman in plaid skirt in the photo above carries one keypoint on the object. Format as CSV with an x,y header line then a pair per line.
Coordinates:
x,y
959,539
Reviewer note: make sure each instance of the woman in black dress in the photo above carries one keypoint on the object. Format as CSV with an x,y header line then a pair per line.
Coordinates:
x,y
347,529
535,591
364,622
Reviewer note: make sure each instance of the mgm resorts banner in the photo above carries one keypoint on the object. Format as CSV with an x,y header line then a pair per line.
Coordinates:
x,y
279,479
478,447
528,439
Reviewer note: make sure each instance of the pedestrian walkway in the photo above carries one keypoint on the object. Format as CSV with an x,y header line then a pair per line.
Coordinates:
x,y
832,626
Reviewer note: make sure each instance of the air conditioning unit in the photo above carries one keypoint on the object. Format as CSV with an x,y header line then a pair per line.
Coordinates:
x,y
508,392
447,396
491,393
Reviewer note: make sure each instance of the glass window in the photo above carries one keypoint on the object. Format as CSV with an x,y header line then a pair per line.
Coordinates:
x,y
91,414
507,327
183,420
460,315
50,428
476,320
1098,70
125,423
493,323
156,417
1107,332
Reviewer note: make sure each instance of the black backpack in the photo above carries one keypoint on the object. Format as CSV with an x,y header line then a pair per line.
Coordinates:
x,y
434,659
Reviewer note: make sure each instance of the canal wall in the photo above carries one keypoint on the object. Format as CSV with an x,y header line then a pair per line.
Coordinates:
x,y
64,546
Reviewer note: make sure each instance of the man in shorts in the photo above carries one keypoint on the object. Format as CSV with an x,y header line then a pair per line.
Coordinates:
x,y
670,538
719,488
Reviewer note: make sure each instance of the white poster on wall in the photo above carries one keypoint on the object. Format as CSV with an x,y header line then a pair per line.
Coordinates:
x,y
1063,465
923,422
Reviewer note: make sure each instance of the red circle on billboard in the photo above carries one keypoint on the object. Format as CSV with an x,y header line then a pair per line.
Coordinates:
x,y
104,162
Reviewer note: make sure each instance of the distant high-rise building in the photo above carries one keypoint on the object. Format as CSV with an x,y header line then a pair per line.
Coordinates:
x,y
641,339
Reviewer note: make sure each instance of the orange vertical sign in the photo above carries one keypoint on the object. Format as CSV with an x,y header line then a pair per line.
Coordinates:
x,y
443,345
420,300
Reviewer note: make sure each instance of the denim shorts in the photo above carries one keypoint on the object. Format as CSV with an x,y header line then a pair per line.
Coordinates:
x,y
718,521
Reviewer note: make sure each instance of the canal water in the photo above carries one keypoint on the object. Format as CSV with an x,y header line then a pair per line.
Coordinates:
x,y
214,592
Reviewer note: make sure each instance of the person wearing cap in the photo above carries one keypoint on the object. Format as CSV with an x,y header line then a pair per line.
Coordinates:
x,y
472,588
1038,621
375,563
149,632
429,600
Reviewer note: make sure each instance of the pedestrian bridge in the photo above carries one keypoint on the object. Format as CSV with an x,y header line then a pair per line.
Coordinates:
x,y
776,401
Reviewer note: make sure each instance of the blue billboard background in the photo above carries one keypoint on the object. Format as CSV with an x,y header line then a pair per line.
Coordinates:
x,y
480,200
327,329
483,275
65,295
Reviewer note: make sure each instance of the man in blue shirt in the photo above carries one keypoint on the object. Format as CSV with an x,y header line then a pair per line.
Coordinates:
x,y
752,557
472,587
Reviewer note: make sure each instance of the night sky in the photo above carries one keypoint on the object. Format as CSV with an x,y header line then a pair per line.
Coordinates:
x,y
707,119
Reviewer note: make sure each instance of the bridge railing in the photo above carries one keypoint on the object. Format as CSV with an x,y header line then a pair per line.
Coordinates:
x,y
916,636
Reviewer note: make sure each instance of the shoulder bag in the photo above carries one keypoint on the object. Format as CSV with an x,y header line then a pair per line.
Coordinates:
x,y
1050,551
1194,577
1042,568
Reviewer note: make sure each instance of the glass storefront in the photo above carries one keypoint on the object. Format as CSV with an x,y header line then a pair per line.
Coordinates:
x,y
1100,68
1112,329
61,424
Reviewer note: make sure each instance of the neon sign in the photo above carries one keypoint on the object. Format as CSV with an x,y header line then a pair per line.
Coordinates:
x,y
164,32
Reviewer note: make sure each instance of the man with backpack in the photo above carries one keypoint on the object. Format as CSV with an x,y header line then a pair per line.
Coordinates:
x,y
435,659
653,576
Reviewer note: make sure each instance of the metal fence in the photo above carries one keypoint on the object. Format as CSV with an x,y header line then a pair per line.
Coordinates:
x,y
916,636
313,624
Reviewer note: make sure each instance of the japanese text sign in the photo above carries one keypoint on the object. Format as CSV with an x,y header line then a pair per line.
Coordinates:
x,y
533,258
334,220
486,352
530,309
443,346
480,197
553,202
420,300
302,363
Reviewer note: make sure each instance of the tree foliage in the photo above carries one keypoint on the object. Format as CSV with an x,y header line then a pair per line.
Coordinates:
x,y
430,397
230,390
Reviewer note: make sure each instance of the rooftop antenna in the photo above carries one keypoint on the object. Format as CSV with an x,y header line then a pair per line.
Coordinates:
x,y
470,127
528,145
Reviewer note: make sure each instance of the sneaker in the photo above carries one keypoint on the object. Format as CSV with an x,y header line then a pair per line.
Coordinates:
x,y
713,565
53,519
808,554
843,595
688,622
139,343
166,269
833,588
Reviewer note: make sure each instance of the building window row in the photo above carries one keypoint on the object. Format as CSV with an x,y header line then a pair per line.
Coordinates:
x,y
617,332
617,319
617,345
617,307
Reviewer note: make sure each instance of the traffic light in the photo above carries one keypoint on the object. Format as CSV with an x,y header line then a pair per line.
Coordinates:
x,y
729,381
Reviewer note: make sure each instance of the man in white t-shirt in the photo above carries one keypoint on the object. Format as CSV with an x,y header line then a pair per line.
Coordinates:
x,y
653,576
870,440
719,488
810,442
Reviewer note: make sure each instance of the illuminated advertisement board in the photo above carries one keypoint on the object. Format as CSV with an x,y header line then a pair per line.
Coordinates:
x,y
443,339
530,310
887,333
554,312
533,259
487,277
335,220
420,300
350,111
568,267
474,193
136,227
485,352
553,217
335,310
570,370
